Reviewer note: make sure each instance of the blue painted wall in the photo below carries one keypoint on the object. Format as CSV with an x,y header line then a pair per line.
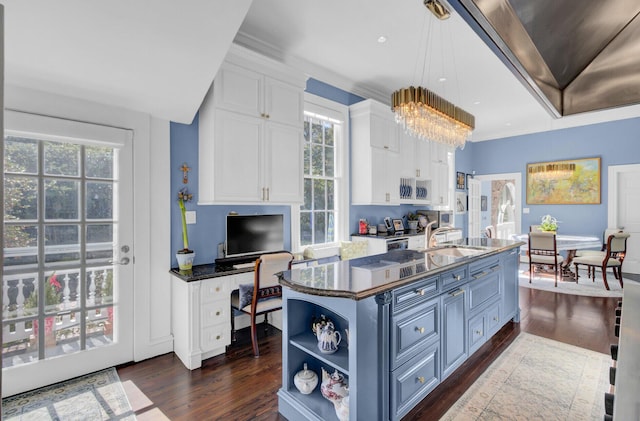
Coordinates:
x,y
616,142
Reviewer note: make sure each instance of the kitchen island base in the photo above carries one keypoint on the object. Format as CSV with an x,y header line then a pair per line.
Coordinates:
x,y
402,342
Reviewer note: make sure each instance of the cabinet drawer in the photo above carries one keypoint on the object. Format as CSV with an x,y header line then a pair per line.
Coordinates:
x,y
454,278
413,381
416,293
413,330
214,337
213,290
484,290
488,262
215,313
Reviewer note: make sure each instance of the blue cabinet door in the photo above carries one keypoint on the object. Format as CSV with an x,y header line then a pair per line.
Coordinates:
x,y
510,297
454,336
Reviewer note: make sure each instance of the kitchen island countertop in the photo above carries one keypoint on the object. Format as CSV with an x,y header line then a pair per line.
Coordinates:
x,y
367,276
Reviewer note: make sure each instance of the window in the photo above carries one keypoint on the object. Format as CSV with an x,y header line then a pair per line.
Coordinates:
x,y
322,218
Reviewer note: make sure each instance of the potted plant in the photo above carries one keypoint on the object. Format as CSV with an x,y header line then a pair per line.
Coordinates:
x,y
185,256
549,223
412,221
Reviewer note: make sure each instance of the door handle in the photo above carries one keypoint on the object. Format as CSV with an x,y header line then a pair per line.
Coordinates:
x,y
123,261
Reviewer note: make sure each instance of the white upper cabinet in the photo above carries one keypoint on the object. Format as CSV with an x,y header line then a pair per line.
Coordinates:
x,y
375,160
251,133
415,173
441,175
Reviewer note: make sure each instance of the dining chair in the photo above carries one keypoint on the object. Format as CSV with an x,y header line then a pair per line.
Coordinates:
x,y
543,252
264,296
605,235
613,257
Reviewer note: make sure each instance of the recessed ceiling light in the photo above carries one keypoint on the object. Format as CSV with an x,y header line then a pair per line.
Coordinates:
x,y
476,103
382,39
508,124
442,79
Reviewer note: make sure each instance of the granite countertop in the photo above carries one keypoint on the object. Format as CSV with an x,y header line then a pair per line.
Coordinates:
x,y
367,276
207,271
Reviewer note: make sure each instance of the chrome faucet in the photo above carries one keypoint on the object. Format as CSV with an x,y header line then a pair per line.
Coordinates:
x,y
431,239
427,233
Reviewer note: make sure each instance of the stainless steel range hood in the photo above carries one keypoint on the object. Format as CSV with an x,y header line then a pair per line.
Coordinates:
x,y
573,55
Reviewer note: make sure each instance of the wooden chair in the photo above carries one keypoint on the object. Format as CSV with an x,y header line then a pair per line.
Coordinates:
x,y
613,257
264,296
543,252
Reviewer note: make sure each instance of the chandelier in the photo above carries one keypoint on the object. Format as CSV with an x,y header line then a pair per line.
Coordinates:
x,y
427,115
552,171
431,117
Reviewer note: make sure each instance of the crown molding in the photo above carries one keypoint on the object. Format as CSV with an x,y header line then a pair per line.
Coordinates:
x,y
310,69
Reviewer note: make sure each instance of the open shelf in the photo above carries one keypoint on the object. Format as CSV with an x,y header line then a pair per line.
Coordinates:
x,y
315,403
308,343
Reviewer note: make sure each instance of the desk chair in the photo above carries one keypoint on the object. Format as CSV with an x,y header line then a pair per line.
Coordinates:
x,y
613,257
543,252
264,296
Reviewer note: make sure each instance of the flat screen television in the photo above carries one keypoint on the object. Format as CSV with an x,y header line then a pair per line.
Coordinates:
x,y
254,234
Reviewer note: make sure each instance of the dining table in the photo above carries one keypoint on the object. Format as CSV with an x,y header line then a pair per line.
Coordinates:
x,y
569,243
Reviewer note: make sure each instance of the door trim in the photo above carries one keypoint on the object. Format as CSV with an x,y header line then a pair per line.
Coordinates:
x,y
612,186
518,180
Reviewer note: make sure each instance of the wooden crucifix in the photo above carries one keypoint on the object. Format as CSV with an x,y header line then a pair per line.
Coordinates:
x,y
185,173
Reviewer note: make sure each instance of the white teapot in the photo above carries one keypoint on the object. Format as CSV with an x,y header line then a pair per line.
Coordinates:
x,y
328,338
305,380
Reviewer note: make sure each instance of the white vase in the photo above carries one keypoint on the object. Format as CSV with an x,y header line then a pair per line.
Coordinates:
x,y
185,260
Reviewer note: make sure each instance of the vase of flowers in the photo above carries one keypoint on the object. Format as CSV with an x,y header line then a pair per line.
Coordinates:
x,y
185,256
549,224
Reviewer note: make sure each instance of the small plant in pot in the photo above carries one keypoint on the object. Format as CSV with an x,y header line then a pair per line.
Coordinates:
x,y
412,221
185,256
549,223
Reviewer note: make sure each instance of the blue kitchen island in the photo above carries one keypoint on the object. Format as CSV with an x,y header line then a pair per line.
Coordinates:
x,y
412,318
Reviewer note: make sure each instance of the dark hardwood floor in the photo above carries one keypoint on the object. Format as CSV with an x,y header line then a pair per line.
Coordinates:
x,y
237,386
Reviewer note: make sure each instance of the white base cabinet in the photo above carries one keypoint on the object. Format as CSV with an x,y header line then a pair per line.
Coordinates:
x,y
201,317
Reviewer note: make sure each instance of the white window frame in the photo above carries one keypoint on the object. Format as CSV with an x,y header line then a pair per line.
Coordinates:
x,y
324,107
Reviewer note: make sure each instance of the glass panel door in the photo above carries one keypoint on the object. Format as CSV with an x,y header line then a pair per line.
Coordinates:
x,y
67,278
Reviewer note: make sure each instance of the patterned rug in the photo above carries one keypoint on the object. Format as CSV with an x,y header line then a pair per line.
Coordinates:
x,y
537,379
585,286
96,396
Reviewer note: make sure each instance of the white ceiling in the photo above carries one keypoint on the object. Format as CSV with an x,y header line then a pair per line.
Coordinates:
x,y
335,41
154,56
160,56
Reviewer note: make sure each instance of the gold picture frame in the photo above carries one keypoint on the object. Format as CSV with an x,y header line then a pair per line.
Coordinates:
x,y
568,182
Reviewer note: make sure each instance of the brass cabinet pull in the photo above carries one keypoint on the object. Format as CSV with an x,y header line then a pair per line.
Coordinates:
x,y
496,318
479,332
456,293
218,313
218,337
420,329
421,379
420,291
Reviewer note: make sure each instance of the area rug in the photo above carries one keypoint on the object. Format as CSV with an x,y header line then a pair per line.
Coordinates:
x,y
585,286
96,396
537,379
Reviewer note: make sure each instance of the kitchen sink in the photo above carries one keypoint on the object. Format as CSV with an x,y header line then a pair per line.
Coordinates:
x,y
456,251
